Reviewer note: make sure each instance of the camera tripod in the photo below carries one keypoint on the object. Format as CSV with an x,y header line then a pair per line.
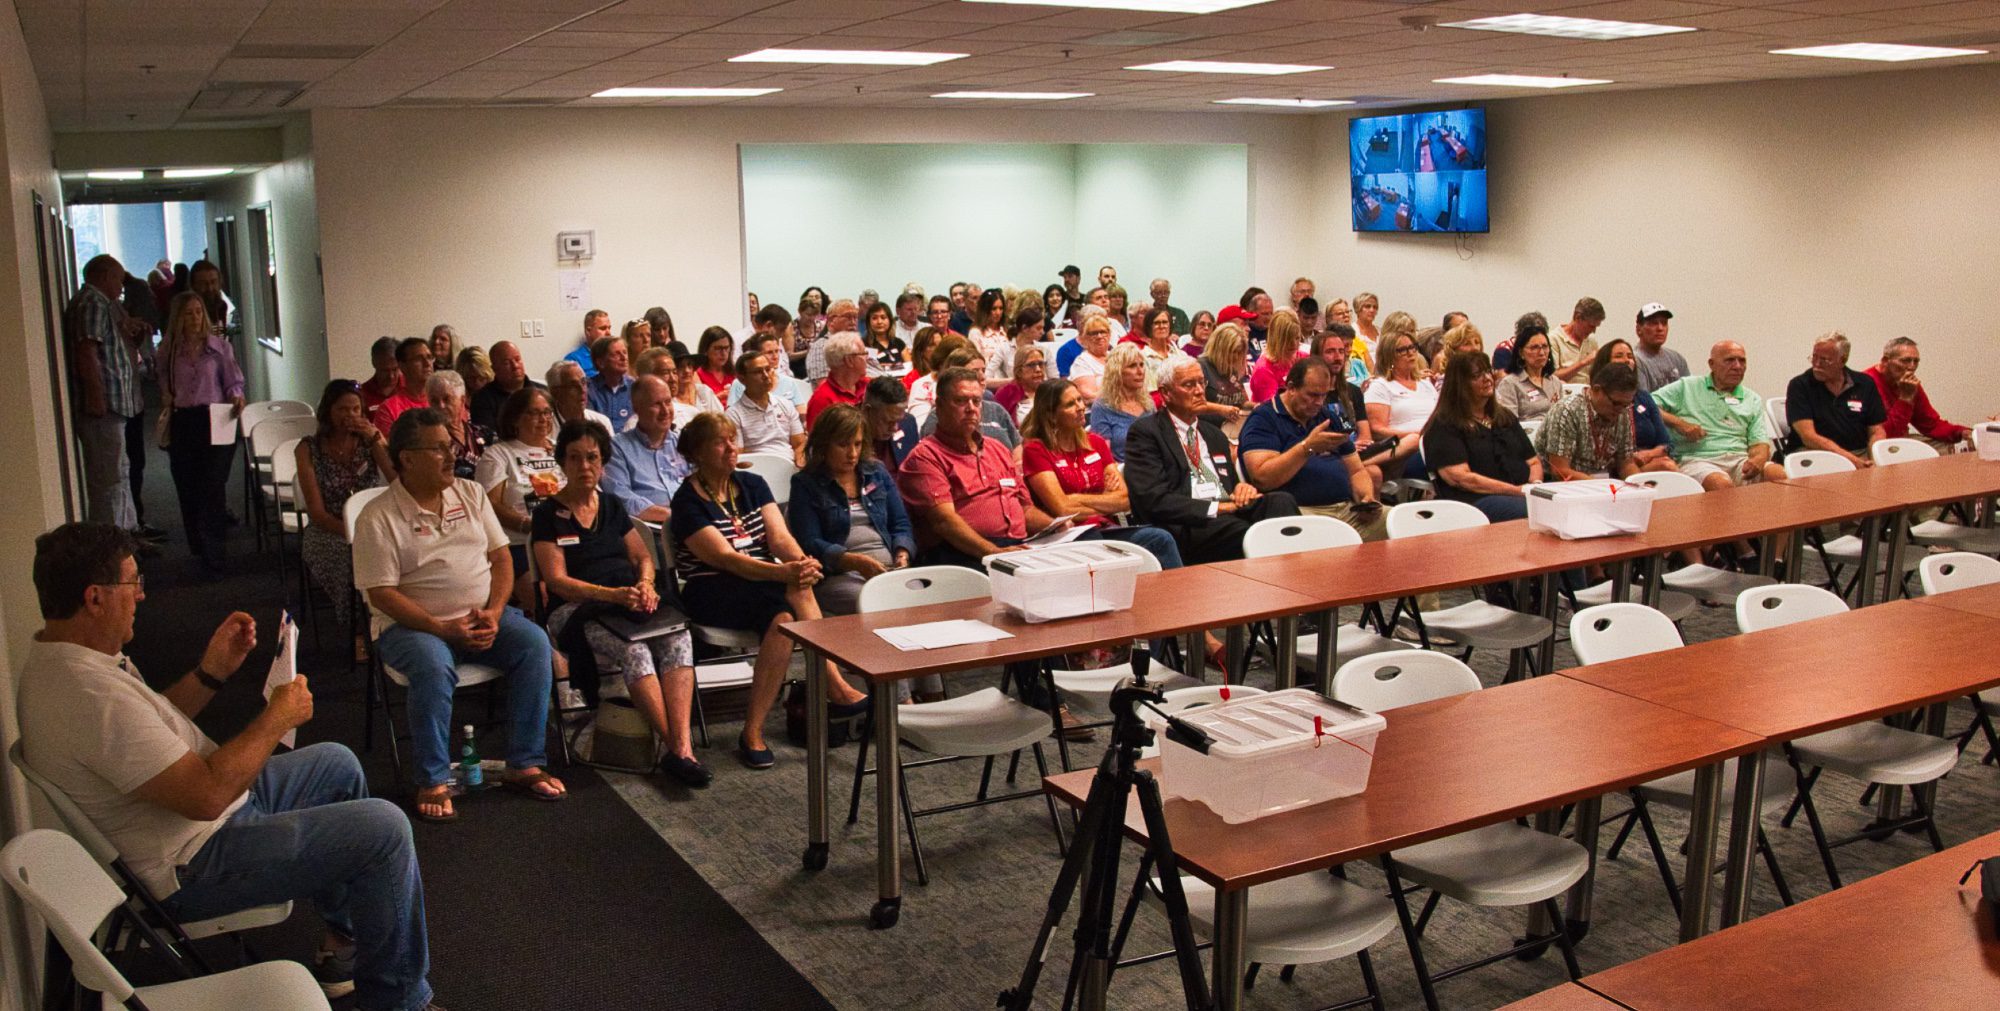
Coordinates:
x,y
1093,861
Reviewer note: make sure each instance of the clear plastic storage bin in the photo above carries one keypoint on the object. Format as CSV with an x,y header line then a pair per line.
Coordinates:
x,y
1576,509
1044,584
1272,753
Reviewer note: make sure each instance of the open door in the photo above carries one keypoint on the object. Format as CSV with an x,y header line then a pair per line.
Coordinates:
x,y
52,251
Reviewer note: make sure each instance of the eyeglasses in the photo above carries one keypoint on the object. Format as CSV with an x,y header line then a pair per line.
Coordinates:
x,y
1406,349
539,413
138,582
440,448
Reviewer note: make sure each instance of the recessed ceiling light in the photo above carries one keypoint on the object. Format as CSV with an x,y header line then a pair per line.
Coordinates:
x,y
684,92
1018,96
1226,67
1521,81
1286,103
196,173
118,175
1882,51
866,57
1565,28
1154,6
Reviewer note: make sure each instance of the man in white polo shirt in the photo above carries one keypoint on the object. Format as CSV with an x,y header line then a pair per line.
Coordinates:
x,y
214,829
431,557
765,423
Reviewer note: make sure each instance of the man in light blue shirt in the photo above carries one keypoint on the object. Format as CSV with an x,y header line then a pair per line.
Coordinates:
x,y
646,468
596,327
611,389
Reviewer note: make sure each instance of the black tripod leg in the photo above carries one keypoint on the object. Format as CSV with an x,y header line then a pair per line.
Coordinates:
x,y
1193,983
1095,809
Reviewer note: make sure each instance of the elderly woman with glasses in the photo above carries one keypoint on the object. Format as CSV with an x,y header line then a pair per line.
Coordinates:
x,y
468,441
520,470
1031,369
1400,400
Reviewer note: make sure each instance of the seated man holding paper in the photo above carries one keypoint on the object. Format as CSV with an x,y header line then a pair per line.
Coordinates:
x,y
212,829
1181,475
431,558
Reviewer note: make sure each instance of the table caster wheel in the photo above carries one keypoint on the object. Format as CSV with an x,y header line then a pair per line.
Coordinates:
x,y
884,914
815,858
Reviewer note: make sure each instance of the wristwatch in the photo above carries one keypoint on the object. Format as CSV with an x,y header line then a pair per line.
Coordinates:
x,y
208,682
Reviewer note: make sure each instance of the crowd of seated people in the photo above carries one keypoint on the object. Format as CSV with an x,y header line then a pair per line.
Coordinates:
x,y
941,428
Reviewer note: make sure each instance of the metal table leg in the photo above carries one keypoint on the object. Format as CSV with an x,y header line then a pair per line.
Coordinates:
x,y
1538,918
1892,574
1545,655
1193,649
1864,585
1621,581
1235,640
1766,557
1700,877
1795,557
1934,718
1329,647
1744,817
1656,570
1232,914
817,834
1287,631
888,845
1589,812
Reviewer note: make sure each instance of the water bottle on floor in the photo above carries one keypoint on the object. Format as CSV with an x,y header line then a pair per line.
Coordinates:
x,y
468,762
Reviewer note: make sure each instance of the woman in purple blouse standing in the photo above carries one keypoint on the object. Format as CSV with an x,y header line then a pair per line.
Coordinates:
x,y
198,368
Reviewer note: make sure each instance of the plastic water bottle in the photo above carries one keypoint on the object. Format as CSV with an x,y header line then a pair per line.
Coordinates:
x,y
468,761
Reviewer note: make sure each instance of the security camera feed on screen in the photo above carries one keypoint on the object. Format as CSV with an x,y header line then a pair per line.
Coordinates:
x,y
1419,171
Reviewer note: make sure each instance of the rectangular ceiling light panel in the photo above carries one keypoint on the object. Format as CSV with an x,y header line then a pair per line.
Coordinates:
x,y
1880,51
1149,6
1286,103
861,57
1520,81
1227,67
1017,96
1565,28
684,92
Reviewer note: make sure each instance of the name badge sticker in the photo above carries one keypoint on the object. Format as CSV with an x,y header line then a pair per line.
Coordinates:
x,y
1006,482
568,542
1854,405
1732,401
742,543
1093,458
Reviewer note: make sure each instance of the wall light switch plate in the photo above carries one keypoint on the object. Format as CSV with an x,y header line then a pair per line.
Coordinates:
x,y
527,329
540,329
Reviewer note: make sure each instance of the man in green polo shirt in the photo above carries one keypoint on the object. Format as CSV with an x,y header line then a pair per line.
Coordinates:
x,y
1719,432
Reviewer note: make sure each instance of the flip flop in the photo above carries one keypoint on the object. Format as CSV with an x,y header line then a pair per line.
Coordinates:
x,y
439,794
527,785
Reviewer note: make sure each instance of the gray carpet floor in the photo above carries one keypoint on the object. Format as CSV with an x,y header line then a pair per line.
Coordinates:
x,y
964,937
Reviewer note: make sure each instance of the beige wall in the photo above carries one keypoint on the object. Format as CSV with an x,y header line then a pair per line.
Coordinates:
x,y
27,435
299,372
1766,213
450,215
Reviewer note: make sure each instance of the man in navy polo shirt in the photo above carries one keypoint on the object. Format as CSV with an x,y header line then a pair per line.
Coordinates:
x,y
1832,407
1300,442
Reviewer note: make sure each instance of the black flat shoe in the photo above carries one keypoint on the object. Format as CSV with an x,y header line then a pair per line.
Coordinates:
x,y
849,710
687,771
758,758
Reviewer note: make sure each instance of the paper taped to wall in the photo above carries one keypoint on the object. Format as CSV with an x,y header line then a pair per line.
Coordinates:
x,y
574,288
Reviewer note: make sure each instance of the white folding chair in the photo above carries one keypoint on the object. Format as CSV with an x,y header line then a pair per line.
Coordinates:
x,y
1501,865
1774,419
263,441
254,414
1300,920
1956,536
100,847
1285,535
1475,624
292,523
1575,389
59,879
1090,690
1874,753
1845,550
1958,570
985,724
1703,581
776,471
1610,632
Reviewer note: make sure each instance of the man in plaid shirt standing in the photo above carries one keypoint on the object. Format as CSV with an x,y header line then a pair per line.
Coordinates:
x,y
107,390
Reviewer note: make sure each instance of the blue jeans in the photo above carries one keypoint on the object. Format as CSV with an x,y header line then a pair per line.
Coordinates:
x,y
310,832
1155,540
522,653
1501,508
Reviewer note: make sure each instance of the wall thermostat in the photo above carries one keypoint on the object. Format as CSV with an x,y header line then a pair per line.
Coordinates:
x,y
576,245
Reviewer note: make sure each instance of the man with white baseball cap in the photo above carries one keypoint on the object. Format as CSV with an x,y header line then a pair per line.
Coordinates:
x,y
1658,366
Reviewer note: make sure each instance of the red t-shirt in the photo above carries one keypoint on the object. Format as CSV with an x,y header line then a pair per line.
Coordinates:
x,y
1078,473
829,394
719,385
385,413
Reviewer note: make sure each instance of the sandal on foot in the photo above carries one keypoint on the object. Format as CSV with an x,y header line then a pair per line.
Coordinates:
x,y
434,796
530,784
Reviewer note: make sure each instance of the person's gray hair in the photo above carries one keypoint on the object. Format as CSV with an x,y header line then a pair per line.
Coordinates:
x,y
1837,339
403,433
1897,342
557,375
445,382
843,344
446,329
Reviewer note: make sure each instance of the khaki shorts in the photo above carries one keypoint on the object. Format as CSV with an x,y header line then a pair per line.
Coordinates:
x,y
1374,527
1730,466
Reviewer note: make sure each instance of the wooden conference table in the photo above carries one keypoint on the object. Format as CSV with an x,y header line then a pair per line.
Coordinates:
x,y
1440,768
1567,997
1910,937
1914,485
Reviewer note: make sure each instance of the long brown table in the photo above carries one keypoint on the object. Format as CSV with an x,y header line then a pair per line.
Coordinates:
x,y
1954,477
1789,682
1186,600
1983,601
1441,768
1567,997
1906,938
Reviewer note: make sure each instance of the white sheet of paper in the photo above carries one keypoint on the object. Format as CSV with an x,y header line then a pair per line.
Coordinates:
x,y
284,666
939,634
221,425
574,287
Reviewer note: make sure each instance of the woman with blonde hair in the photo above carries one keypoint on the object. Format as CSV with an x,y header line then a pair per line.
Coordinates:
x,y
197,368
1366,305
1281,349
1122,399
638,336
1456,341
1399,324
475,368
1400,400
1225,368
1089,368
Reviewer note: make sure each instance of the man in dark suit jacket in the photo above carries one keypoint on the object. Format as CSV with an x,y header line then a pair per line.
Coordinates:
x,y
1182,476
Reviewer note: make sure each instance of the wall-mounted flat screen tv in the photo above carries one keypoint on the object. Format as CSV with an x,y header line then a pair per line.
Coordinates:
x,y
1419,171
